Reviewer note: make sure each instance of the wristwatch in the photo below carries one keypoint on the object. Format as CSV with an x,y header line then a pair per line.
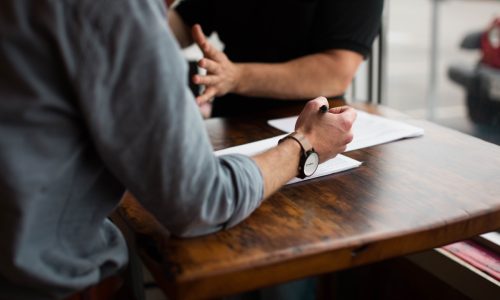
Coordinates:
x,y
309,159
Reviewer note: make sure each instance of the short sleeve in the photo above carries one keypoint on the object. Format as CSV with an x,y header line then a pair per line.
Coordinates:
x,y
347,24
197,12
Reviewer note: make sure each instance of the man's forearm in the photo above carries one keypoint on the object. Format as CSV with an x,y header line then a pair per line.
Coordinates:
x,y
278,165
327,73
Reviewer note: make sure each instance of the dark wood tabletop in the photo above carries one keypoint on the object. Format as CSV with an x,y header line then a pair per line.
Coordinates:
x,y
407,196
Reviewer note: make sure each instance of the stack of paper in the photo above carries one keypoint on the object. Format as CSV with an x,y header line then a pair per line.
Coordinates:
x,y
369,130
338,164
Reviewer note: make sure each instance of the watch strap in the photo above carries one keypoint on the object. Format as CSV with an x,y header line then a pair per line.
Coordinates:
x,y
301,139
306,150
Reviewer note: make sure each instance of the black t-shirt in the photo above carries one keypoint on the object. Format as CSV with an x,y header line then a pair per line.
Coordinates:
x,y
281,30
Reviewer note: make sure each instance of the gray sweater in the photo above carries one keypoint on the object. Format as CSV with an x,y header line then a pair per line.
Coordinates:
x,y
93,101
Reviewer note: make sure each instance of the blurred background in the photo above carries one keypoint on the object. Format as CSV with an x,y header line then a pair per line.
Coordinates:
x,y
410,25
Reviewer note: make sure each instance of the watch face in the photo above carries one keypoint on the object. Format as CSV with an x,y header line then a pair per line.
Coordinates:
x,y
311,164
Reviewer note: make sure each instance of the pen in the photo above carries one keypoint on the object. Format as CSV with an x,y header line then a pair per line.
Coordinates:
x,y
323,108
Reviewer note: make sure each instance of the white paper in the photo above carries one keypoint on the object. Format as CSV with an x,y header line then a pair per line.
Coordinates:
x,y
338,164
369,130
253,148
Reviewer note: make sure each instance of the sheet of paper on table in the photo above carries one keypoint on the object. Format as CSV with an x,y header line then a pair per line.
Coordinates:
x,y
369,130
338,164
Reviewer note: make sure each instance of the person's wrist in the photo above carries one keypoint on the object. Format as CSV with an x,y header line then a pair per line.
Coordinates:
x,y
293,150
315,144
309,159
239,74
308,136
292,146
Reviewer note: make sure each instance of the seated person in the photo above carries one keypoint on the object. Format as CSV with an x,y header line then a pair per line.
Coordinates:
x,y
276,51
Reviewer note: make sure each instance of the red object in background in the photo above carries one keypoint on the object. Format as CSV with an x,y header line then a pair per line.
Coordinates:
x,y
490,45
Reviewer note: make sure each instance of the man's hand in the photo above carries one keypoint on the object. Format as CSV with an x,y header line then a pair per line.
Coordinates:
x,y
330,132
222,74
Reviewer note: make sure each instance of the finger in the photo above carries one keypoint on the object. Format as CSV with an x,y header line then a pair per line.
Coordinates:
x,y
314,105
320,101
350,113
205,109
209,65
198,35
339,109
346,119
348,138
206,96
205,79
346,111
202,42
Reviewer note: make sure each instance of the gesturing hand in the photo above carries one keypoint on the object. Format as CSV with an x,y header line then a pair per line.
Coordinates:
x,y
222,74
329,133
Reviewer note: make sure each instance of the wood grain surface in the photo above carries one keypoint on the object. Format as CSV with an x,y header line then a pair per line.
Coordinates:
x,y
407,196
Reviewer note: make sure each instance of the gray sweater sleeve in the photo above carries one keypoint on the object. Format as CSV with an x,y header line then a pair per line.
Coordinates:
x,y
142,118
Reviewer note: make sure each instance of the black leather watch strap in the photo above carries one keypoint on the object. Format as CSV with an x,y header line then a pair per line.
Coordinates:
x,y
301,139
306,151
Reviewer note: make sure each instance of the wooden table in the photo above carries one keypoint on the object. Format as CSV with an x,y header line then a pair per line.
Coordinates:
x,y
407,196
